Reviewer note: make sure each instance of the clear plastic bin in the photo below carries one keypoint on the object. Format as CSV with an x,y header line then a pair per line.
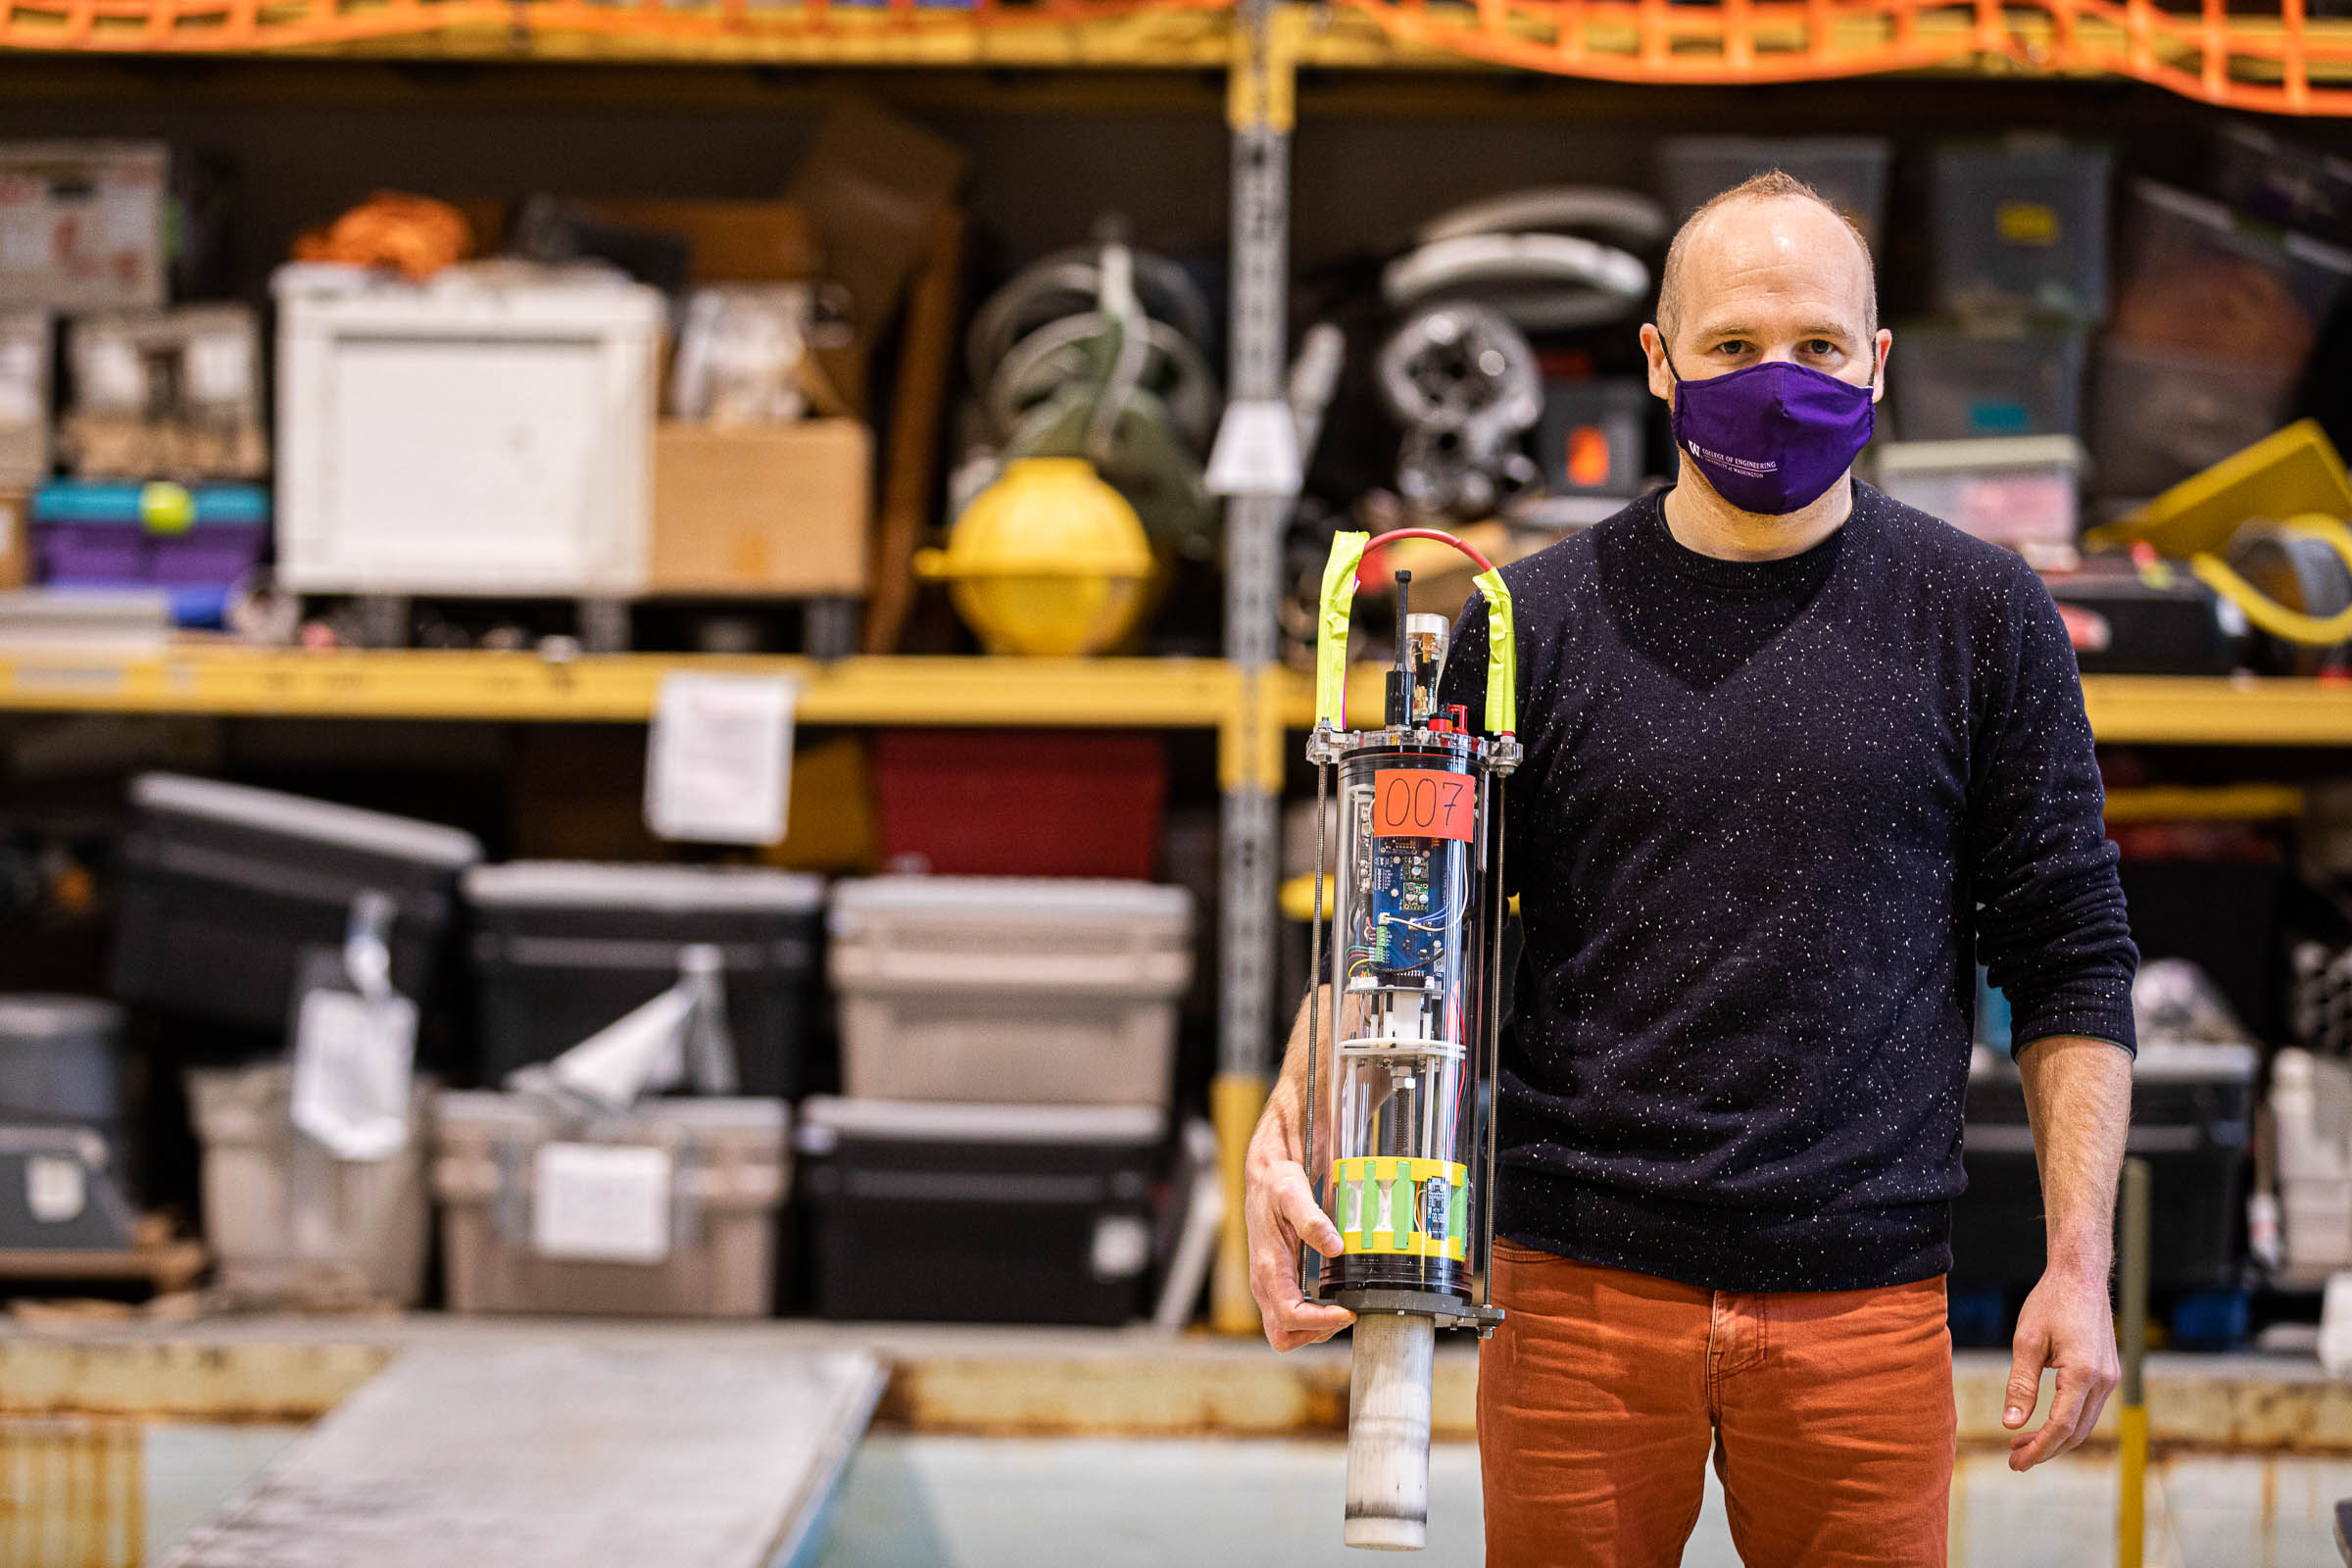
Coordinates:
x,y
2158,416
1850,172
2023,490
2310,1110
1035,991
2020,225
291,1225
2284,182
668,1211
1948,384
2198,279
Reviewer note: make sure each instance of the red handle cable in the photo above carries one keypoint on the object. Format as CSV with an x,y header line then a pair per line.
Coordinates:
x,y
1439,535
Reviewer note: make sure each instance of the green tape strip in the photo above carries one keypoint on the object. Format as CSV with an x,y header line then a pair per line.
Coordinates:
x,y
1502,656
1331,633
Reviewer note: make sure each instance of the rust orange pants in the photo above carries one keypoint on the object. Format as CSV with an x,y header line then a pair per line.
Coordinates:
x,y
1829,1414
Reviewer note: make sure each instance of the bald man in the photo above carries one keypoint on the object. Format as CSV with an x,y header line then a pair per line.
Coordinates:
x,y
1798,757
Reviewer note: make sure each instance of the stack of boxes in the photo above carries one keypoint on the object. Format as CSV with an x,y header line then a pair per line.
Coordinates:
x,y
1987,399
665,1207
158,418
1007,1054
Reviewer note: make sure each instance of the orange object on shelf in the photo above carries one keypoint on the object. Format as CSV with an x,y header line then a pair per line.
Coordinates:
x,y
416,235
2206,51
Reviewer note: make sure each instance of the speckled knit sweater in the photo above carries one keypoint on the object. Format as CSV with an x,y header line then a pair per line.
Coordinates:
x,y
1771,816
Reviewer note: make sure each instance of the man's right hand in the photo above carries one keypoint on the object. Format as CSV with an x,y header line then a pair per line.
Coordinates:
x,y
1280,1210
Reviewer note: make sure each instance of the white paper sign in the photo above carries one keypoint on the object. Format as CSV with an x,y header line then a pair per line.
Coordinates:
x,y
55,1189
20,389
219,367
353,1060
601,1202
718,764
1256,451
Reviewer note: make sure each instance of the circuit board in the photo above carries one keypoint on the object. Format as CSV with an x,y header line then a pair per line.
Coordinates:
x,y
1408,936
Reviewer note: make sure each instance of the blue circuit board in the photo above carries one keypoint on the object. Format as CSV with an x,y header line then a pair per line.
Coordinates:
x,y
1409,919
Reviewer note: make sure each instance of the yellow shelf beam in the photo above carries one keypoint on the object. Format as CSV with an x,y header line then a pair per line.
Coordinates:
x,y
2214,803
1148,693
2124,710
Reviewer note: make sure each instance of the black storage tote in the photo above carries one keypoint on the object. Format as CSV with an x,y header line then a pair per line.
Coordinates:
x,y
952,1212
563,947
2193,1107
226,887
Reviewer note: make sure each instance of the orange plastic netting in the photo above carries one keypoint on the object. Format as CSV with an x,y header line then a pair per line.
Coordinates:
x,y
234,25
2263,54
2245,57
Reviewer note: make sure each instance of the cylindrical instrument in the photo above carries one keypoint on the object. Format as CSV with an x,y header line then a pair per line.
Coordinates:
x,y
1403,1025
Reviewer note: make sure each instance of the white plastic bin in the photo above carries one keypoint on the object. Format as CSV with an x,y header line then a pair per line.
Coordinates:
x,y
1011,990
465,436
289,1223
2311,1114
2012,490
668,1211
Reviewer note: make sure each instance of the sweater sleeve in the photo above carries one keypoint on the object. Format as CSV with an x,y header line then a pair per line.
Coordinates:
x,y
2050,921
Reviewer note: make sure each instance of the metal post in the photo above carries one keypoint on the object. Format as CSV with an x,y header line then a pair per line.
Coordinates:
x,y
1259,112
1486,1196
1309,1267
2132,1420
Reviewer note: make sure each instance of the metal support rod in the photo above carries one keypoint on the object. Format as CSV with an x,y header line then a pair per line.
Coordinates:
x,y
2132,1420
1259,109
1502,906
1308,1268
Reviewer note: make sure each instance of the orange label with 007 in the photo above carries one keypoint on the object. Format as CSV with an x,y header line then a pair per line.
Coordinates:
x,y
1418,802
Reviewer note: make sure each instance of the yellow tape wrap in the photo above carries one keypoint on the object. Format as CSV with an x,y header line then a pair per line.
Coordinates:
x,y
1331,629
1502,656
1370,1198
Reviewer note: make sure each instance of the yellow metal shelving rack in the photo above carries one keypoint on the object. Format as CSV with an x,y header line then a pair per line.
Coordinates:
x,y
2124,709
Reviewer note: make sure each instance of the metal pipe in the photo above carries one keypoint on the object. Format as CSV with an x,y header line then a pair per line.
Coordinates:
x,y
2131,1419
1309,1282
1486,1241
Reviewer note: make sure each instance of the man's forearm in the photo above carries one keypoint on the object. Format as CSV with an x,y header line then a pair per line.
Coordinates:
x,y
2079,1099
1290,1085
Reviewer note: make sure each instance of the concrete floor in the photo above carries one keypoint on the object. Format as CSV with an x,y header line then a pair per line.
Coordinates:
x,y
939,1502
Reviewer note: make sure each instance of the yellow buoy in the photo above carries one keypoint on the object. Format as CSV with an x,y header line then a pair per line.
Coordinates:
x,y
1049,560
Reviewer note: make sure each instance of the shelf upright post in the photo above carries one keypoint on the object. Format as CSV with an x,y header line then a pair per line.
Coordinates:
x,y
1258,113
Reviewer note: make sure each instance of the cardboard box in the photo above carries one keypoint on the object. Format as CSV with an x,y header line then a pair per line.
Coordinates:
x,y
734,242
763,509
871,185
15,548
172,393
82,224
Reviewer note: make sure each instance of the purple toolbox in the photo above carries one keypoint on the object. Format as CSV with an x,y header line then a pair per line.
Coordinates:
x,y
194,540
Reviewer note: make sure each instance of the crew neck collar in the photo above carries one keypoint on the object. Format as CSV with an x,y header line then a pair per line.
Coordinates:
x,y
1744,579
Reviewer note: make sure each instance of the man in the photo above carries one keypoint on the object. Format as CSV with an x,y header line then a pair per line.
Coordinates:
x,y
1798,757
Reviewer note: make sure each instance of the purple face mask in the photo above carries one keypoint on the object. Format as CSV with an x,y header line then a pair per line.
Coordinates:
x,y
1773,437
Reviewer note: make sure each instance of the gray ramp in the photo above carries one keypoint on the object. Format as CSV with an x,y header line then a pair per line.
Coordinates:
x,y
558,1457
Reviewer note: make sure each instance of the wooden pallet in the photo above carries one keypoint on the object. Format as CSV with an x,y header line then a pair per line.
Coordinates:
x,y
165,1266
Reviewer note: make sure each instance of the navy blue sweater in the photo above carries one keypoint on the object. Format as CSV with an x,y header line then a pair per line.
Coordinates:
x,y
1771,815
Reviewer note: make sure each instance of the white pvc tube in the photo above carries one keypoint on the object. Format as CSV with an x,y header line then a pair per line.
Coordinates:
x,y
1388,1431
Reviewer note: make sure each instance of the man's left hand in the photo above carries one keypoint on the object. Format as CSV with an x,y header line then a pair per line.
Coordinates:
x,y
2067,1325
